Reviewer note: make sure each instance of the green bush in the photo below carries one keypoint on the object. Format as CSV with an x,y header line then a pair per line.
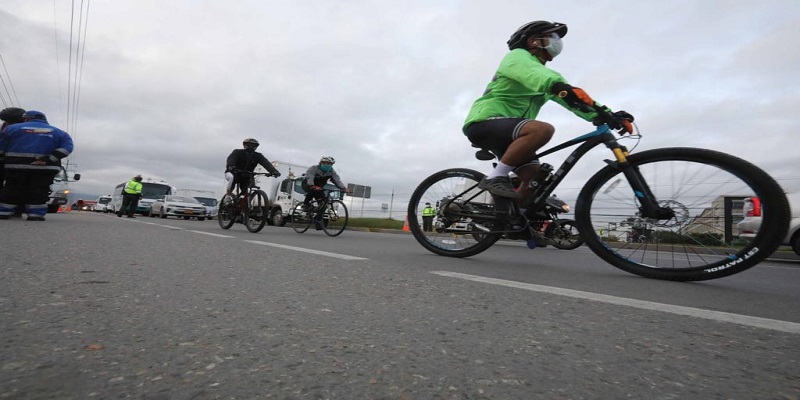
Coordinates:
x,y
375,223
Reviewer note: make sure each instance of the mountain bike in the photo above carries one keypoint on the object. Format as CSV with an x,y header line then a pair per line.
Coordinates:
x,y
328,214
680,197
251,207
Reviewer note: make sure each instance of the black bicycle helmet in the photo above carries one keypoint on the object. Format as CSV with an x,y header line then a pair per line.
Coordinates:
x,y
534,29
250,141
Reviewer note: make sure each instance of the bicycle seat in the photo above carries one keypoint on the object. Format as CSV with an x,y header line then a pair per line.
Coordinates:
x,y
484,154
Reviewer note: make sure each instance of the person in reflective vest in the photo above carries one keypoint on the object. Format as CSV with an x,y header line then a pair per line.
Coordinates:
x,y
130,196
427,217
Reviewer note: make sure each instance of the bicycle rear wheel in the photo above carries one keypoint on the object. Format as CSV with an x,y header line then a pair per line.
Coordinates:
x,y
704,189
301,218
226,214
334,218
255,214
454,234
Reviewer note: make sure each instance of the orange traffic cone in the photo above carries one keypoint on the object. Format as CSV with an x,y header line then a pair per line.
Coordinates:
x,y
406,228
60,209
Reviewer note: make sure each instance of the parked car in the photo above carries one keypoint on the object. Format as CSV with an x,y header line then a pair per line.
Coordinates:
x,y
749,226
101,204
178,206
84,205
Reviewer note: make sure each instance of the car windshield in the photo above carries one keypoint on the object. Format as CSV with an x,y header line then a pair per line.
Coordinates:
x,y
104,200
182,199
155,190
207,201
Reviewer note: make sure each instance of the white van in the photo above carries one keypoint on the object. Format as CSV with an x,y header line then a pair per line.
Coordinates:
x,y
101,204
151,190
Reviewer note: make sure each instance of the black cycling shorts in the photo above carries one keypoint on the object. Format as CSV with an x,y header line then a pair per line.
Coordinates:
x,y
496,135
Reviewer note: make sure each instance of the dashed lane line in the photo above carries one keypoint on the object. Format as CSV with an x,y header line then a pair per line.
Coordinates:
x,y
304,250
212,234
765,323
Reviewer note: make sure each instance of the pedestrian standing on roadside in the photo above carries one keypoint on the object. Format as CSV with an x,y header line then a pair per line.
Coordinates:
x,y
131,194
427,217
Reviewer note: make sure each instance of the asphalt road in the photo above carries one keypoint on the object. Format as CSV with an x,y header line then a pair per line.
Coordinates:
x,y
96,307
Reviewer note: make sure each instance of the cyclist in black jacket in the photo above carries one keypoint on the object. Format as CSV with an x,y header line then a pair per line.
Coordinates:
x,y
245,159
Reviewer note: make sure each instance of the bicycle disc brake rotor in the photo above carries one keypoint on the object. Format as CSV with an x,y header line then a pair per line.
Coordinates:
x,y
680,211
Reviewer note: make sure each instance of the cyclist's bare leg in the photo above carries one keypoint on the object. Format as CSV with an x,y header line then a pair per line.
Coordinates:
x,y
522,150
532,136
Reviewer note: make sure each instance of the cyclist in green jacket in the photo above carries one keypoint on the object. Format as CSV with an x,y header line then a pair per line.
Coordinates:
x,y
503,120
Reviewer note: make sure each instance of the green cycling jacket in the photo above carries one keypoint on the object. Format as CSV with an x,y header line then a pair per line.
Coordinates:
x,y
519,89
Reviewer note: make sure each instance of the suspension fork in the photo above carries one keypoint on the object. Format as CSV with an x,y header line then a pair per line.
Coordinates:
x,y
648,203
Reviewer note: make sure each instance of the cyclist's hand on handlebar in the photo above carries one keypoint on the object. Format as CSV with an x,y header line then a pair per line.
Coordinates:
x,y
277,174
621,122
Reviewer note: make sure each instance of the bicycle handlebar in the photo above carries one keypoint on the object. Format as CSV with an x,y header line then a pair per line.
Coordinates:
x,y
242,171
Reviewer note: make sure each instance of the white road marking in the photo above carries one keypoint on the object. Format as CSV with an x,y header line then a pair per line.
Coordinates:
x,y
213,234
773,324
304,250
163,226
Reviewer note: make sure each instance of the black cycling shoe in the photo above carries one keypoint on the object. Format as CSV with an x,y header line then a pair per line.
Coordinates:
x,y
499,186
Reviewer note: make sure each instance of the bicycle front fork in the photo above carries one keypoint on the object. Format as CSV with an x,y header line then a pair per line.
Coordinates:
x,y
648,204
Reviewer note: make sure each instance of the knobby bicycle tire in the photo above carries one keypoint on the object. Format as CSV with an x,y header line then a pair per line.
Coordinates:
x,y
256,211
335,218
462,238
701,241
226,213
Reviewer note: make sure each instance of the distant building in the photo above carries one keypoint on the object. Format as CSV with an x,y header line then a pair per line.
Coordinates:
x,y
720,218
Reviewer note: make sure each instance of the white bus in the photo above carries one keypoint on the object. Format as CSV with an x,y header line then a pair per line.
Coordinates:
x,y
151,190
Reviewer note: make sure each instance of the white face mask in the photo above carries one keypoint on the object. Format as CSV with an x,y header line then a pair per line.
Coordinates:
x,y
554,46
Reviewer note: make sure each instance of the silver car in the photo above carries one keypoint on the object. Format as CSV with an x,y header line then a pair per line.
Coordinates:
x,y
178,206
749,226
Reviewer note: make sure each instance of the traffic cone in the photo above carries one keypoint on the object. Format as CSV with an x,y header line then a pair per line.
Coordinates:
x,y
60,209
406,228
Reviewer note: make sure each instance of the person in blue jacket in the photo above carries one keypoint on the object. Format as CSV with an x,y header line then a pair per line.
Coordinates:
x,y
32,151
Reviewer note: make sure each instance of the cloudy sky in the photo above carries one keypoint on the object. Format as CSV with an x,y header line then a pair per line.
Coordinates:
x,y
168,88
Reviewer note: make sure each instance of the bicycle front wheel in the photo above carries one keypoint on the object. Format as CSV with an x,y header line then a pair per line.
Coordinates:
x,y
334,218
255,215
301,218
226,214
705,190
454,194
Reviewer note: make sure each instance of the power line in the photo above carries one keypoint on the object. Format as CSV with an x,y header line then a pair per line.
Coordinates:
x,y
10,83
58,59
81,49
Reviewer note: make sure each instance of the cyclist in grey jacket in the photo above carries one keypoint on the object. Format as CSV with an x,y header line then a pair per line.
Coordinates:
x,y
316,178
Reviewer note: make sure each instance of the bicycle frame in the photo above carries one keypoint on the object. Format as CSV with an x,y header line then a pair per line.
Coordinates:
x,y
602,135
249,189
